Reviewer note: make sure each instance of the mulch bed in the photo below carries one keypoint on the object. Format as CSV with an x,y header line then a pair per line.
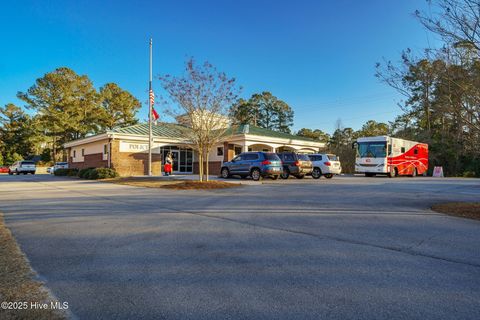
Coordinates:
x,y
148,182
197,185
470,210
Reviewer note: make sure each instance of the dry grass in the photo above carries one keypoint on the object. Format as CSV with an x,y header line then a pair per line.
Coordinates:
x,y
17,283
148,182
470,210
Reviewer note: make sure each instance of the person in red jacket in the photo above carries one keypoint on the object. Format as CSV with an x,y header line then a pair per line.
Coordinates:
x,y
168,164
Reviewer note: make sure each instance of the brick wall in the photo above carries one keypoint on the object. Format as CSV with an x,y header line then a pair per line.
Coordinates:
x,y
213,167
90,161
134,164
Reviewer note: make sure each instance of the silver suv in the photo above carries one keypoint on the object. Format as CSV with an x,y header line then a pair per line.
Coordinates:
x,y
24,166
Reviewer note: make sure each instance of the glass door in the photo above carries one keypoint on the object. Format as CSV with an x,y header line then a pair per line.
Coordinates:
x,y
176,160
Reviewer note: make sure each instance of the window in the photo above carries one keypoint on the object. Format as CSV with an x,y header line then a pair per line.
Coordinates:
x,y
74,153
332,157
105,149
372,149
250,156
402,150
389,149
238,150
288,157
220,151
271,156
83,152
415,151
237,158
303,157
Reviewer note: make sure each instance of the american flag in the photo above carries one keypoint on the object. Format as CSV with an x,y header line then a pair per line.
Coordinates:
x,y
155,115
152,97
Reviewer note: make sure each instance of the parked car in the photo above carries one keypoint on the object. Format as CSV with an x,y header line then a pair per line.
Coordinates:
x,y
24,166
60,165
254,164
3,169
295,164
57,165
325,165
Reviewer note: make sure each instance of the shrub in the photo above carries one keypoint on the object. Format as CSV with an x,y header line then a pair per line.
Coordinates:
x,y
469,174
60,172
66,172
73,172
84,173
102,173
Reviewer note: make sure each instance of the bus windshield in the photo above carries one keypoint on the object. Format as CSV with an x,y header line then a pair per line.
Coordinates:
x,y
372,149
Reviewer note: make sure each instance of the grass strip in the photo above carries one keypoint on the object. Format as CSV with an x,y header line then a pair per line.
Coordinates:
x,y
470,210
18,285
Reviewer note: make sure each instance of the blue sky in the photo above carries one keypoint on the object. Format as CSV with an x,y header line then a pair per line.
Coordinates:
x,y
318,56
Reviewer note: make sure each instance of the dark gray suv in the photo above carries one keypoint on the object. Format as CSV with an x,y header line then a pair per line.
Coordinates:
x,y
254,164
295,164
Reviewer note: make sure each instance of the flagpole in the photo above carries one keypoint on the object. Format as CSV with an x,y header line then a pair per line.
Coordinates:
x,y
150,115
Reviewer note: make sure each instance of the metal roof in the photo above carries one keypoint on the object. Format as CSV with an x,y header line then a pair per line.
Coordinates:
x,y
166,130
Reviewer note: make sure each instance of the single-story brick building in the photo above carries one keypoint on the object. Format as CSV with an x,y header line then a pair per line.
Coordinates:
x,y
126,149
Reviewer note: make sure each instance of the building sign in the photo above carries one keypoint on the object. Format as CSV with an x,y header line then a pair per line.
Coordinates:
x,y
133,147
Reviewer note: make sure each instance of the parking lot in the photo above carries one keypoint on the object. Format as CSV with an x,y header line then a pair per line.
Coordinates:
x,y
345,248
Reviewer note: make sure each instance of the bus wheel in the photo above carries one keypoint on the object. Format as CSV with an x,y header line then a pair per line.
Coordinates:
x,y
414,173
393,173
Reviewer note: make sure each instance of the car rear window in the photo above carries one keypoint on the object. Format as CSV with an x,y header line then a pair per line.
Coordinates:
x,y
271,156
28,162
61,163
303,157
332,157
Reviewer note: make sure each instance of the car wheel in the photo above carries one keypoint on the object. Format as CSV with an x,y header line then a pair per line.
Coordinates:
x,y
16,172
285,174
256,175
329,176
33,172
274,177
225,173
316,173
301,176
10,172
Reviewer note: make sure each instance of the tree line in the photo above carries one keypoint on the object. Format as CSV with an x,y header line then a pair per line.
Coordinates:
x,y
65,106
441,87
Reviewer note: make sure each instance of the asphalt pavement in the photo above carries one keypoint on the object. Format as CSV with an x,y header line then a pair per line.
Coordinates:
x,y
345,248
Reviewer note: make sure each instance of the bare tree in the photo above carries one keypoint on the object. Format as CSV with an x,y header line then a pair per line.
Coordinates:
x,y
456,21
202,98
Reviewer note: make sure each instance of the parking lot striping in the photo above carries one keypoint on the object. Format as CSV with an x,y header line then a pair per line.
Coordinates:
x,y
403,250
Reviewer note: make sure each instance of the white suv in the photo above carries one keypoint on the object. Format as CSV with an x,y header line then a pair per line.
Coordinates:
x,y
24,166
325,165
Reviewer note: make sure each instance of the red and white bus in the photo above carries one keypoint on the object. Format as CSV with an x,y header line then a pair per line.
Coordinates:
x,y
390,156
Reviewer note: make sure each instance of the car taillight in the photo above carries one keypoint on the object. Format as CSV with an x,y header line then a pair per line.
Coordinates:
x,y
328,164
297,163
265,162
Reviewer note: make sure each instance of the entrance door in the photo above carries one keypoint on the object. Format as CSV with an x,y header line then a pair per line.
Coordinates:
x,y
176,159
